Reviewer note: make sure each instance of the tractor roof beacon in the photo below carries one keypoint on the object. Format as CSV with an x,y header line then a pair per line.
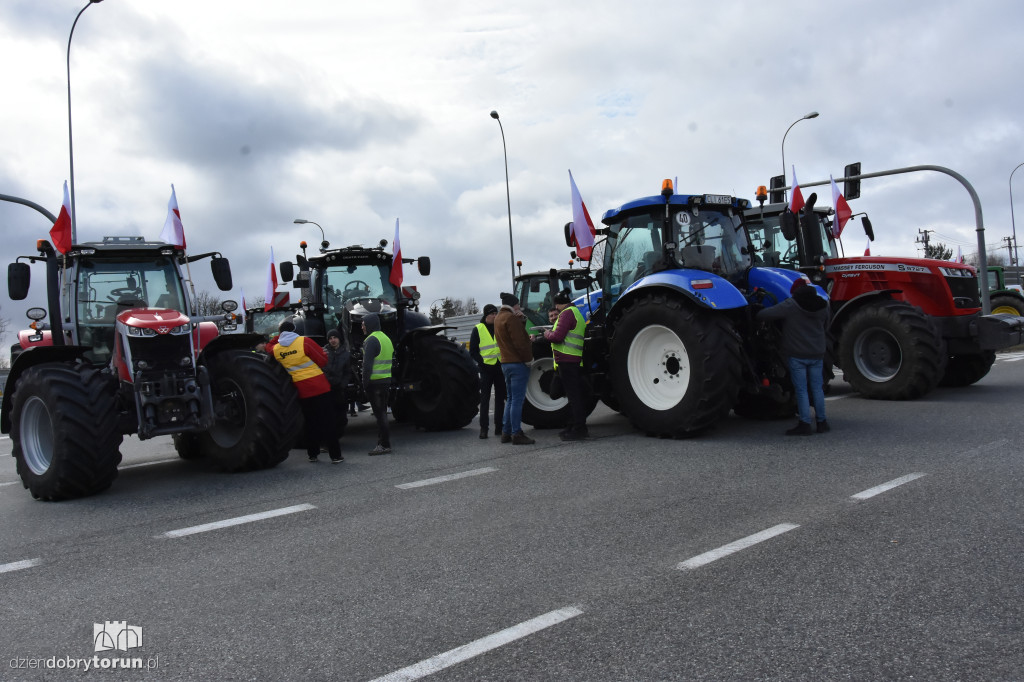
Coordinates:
x,y
123,354
434,381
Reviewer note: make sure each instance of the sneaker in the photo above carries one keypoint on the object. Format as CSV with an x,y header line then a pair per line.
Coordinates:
x,y
313,459
323,450
353,413
379,450
801,429
364,408
506,437
520,438
483,432
823,426
337,460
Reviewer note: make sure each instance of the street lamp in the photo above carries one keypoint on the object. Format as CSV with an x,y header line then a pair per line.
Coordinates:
x,y
1013,224
508,198
324,244
71,154
813,114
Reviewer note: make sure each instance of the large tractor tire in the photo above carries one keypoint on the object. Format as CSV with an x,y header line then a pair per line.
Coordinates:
x,y
675,370
448,395
188,445
1010,305
891,351
257,409
64,431
540,410
964,370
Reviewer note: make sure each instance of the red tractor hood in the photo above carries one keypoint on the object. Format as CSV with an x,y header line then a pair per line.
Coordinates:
x,y
159,320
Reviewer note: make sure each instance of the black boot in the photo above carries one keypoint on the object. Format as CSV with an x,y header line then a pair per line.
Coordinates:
x,y
483,432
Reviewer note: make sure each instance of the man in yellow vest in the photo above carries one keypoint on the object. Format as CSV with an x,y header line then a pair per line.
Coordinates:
x,y
378,354
484,349
566,339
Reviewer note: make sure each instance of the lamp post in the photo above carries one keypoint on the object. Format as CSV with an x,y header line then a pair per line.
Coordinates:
x,y
323,244
508,198
1013,224
71,153
813,114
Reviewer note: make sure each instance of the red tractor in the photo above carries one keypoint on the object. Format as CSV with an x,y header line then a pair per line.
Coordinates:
x,y
124,355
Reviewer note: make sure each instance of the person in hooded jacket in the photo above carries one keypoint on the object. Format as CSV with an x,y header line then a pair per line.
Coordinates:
x,y
303,358
378,353
337,371
484,349
804,317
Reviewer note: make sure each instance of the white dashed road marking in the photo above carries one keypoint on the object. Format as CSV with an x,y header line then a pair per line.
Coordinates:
x,y
733,547
480,646
445,479
191,530
879,489
19,565
146,464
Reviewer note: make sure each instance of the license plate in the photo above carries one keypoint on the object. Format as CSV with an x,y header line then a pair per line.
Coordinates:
x,y
717,199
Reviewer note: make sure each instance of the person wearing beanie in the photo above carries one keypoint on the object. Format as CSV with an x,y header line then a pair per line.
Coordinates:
x,y
303,358
566,339
484,349
338,372
515,352
378,353
804,317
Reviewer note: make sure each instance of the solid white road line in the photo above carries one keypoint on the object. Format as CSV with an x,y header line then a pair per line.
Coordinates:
x,y
480,646
444,479
733,547
9,483
146,464
879,489
18,565
237,521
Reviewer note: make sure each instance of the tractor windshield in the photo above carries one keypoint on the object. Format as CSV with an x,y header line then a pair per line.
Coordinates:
x,y
536,297
344,284
771,248
103,288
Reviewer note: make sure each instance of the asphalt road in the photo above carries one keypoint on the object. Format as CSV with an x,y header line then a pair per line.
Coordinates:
x,y
889,548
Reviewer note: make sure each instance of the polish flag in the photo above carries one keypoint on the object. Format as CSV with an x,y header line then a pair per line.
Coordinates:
x,y
796,200
396,262
241,295
268,299
174,231
842,209
60,233
583,231
867,248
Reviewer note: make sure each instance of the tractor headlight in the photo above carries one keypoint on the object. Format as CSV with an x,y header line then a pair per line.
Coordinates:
x,y
140,331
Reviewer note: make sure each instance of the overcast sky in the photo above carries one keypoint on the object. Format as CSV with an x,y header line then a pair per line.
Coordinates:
x,y
355,114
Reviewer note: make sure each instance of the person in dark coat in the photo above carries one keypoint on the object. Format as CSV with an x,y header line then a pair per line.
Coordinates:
x,y
804,317
338,372
378,353
484,349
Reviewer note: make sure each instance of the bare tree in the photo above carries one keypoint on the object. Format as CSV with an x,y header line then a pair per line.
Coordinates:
x,y
207,303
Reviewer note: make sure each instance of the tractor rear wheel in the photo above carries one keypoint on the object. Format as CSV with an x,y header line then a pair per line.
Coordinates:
x,y
675,370
1008,304
891,351
964,370
257,410
448,395
540,410
64,431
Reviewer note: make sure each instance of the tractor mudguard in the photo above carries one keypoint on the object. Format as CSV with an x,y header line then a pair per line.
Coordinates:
x,y
720,295
223,342
777,282
30,357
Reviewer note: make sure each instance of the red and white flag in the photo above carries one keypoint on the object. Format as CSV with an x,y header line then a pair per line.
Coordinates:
x,y
241,296
268,299
174,231
583,231
396,262
60,233
796,199
867,248
842,209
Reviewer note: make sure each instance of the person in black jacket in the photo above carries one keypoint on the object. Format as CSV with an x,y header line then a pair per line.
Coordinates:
x,y
484,349
338,372
804,317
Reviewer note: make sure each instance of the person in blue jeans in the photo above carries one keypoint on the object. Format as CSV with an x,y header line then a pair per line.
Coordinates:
x,y
804,317
516,354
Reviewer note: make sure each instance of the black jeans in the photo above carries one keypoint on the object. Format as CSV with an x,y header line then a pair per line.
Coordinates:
x,y
339,403
318,413
572,380
378,396
490,375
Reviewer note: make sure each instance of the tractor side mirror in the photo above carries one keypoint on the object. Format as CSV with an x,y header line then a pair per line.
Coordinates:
x,y
788,224
221,269
423,264
18,277
568,234
868,230
287,271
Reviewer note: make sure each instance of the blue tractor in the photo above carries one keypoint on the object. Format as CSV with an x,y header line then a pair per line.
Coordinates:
x,y
671,339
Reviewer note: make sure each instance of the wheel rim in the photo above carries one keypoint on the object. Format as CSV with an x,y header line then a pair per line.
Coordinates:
x,y
659,367
230,409
37,436
877,355
535,394
1008,309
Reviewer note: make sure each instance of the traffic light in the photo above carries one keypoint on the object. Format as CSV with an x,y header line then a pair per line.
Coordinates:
x,y
777,184
851,188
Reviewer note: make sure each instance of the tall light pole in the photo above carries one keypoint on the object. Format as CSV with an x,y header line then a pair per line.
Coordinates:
x,y
813,114
71,153
323,244
1013,224
508,198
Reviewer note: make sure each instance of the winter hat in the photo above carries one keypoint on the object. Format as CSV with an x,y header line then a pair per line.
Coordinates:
x,y
797,283
509,299
562,297
286,326
490,308
333,334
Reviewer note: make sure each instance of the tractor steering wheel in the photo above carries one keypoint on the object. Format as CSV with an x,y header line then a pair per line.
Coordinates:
x,y
123,291
357,284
